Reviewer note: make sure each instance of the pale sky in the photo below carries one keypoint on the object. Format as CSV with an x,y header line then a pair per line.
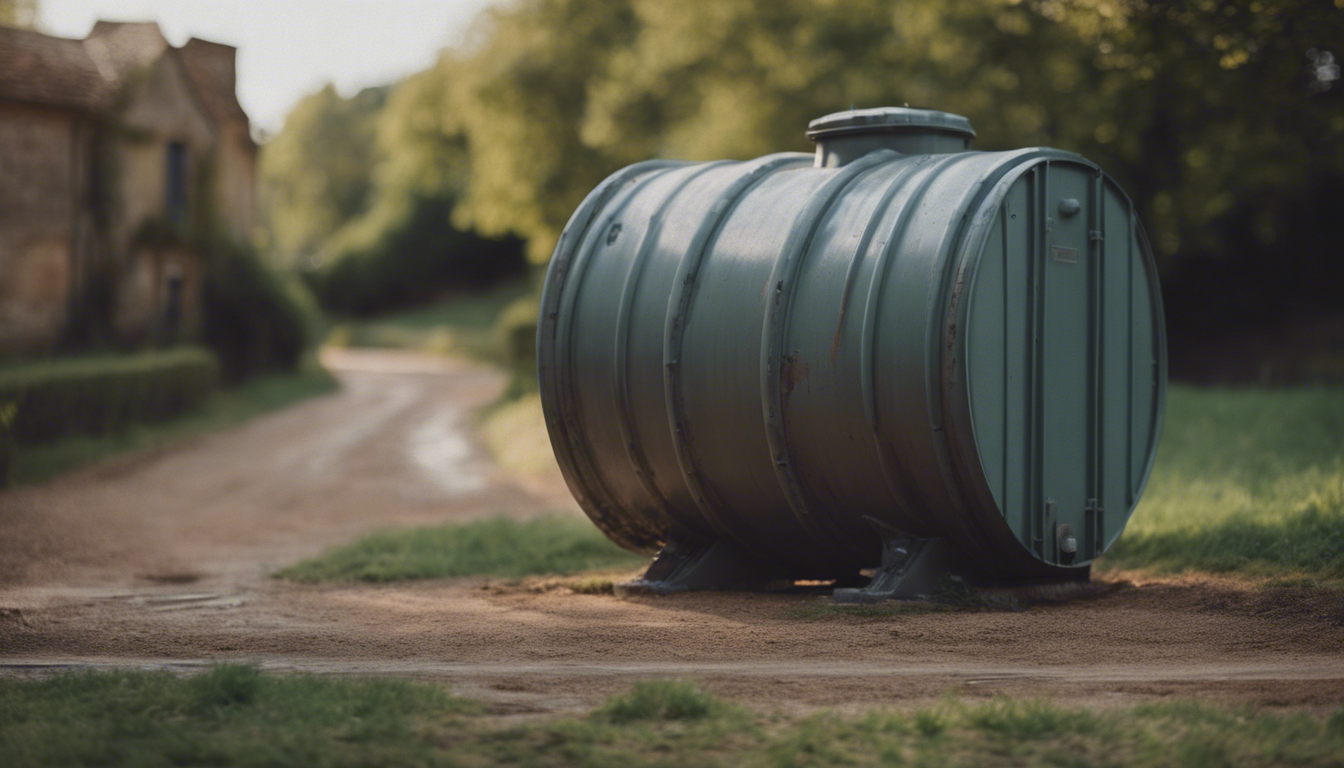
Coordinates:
x,y
289,48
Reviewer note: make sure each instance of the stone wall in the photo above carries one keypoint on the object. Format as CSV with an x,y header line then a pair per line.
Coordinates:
x,y
44,190
160,110
235,180
67,237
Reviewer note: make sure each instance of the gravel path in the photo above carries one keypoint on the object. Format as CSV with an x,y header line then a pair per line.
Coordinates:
x,y
162,560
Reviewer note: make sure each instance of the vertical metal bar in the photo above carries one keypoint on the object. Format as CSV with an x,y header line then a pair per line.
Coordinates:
x,y
1003,235
1131,234
1040,230
1029,365
1097,264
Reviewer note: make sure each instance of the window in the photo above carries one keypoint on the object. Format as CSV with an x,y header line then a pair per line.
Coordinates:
x,y
175,197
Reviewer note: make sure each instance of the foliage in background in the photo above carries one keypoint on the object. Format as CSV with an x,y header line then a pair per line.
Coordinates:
x,y
314,176
1245,481
1222,119
552,545
405,253
462,323
519,99
516,331
254,320
373,230
234,715
1219,117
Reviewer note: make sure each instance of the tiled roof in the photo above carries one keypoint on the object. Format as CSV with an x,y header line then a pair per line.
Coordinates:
x,y
211,69
88,74
121,48
55,71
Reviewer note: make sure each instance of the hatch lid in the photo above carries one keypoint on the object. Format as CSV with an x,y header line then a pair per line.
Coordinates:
x,y
843,137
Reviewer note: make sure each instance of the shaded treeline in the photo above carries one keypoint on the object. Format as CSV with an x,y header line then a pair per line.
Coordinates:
x,y
1222,119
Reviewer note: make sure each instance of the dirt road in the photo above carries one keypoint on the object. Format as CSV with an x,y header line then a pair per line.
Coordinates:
x,y
163,560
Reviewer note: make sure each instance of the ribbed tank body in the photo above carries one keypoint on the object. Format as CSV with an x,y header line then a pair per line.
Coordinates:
x,y
965,345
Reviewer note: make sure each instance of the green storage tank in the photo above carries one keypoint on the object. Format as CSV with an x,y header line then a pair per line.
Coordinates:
x,y
895,352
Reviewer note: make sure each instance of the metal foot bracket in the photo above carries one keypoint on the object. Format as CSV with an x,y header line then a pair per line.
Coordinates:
x,y
682,568
911,569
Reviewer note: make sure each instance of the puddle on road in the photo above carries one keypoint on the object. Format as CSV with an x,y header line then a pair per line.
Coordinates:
x,y
331,446
441,450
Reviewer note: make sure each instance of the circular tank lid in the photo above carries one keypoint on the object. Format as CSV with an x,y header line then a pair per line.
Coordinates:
x,y
889,119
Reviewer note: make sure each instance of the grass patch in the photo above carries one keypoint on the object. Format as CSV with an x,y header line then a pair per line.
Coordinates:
x,y
1246,481
229,715
664,700
226,408
462,322
551,545
233,715
466,324
515,432
594,584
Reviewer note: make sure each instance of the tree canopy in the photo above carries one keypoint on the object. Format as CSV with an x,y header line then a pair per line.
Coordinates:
x,y
1203,109
1224,119
315,174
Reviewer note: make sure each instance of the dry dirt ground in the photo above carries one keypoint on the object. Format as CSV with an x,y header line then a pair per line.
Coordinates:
x,y
163,560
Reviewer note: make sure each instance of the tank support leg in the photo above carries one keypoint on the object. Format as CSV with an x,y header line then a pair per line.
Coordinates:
x,y
911,569
683,567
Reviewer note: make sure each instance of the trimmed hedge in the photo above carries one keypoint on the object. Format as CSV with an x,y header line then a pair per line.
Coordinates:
x,y
516,330
97,395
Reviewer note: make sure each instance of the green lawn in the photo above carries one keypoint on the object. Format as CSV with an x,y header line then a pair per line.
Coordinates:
x,y
33,463
1246,481
462,323
232,715
551,545
1249,482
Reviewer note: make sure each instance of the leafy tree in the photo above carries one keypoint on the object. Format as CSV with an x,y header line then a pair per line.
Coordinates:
x,y
561,92
519,97
363,195
1223,119
317,173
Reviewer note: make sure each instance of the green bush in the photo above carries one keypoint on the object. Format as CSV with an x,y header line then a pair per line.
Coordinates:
x,y
407,254
43,401
254,321
664,700
516,330
549,545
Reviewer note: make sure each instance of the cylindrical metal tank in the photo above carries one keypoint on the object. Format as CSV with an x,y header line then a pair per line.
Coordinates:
x,y
790,353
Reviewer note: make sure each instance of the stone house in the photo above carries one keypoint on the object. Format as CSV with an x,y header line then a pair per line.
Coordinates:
x,y
120,156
